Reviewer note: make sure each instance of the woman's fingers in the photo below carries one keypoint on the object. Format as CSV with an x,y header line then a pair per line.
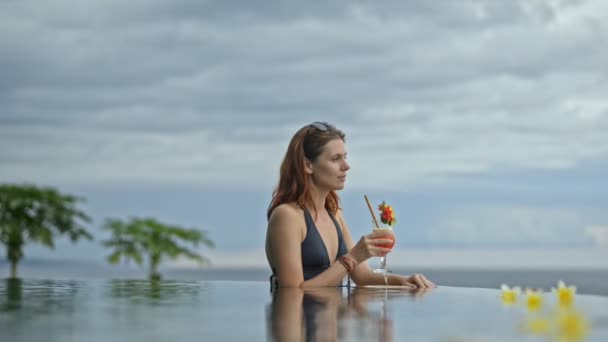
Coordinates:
x,y
372,245
420,281
381,251
416,280
381,241
377,251
427,282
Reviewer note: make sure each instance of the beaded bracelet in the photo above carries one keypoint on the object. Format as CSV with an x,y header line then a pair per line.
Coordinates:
x,y
348,263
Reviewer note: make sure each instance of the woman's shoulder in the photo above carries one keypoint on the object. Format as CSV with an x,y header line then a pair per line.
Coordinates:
x,y
286,211
284,218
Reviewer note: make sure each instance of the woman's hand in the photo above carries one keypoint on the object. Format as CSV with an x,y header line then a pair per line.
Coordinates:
x,y
418,280
370,245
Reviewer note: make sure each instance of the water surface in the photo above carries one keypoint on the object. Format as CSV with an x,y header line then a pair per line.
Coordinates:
x,y
133,310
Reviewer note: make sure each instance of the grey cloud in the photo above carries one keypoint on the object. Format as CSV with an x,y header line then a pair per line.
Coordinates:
x,y
511,226
452,86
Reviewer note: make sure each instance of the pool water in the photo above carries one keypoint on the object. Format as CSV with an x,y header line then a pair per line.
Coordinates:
x,y
138,310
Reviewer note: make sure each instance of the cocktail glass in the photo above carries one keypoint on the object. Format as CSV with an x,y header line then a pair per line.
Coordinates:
x,y
383,269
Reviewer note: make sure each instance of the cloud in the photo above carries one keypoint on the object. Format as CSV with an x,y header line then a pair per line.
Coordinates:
x,y
210,92
599,235
510,226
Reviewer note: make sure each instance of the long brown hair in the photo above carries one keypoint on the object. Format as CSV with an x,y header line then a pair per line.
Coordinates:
x,y
294,184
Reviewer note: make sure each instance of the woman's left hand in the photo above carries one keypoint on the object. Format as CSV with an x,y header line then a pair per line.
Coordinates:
x,y
418,280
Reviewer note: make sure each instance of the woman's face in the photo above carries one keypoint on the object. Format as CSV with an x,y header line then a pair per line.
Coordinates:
x,y
329,169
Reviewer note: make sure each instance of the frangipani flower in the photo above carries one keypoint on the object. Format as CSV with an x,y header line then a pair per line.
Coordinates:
x,y
509,295
565,294
534,299
387,216
564,325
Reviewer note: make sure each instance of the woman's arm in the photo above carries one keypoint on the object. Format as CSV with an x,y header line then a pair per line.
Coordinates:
x,y
363,274
286,231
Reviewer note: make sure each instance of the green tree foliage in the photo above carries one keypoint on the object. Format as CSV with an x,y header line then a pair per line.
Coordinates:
x,y
37,214
146,238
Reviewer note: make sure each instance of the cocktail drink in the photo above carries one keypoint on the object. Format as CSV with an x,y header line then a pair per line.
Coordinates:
x,y
382,268
387,218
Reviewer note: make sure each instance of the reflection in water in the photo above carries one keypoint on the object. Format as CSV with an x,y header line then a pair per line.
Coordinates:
x,y
35,303
371,307
37,296
154,291
331,314
57,311
13,293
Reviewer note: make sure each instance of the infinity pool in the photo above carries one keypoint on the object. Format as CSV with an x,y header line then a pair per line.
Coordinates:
x,y
124,310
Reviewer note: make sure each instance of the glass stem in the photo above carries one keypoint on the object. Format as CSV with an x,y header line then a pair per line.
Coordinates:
x,y
383,266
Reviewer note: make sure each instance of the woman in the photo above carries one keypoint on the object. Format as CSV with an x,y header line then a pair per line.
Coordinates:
x,y
308,243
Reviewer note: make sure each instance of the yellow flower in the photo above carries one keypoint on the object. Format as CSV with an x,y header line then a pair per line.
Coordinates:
x,y
509,295
565,294
572,326
534,299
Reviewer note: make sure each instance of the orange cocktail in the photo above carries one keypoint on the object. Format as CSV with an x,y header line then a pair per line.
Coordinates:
x,y
390,236
387,217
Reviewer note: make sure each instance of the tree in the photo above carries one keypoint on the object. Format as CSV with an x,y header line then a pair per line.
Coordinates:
x,y
141,238
37,214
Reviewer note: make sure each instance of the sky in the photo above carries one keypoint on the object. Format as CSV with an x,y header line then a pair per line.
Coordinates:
x,y
484,123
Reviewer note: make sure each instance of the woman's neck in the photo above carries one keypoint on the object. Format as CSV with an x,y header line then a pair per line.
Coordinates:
x,y
318,198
